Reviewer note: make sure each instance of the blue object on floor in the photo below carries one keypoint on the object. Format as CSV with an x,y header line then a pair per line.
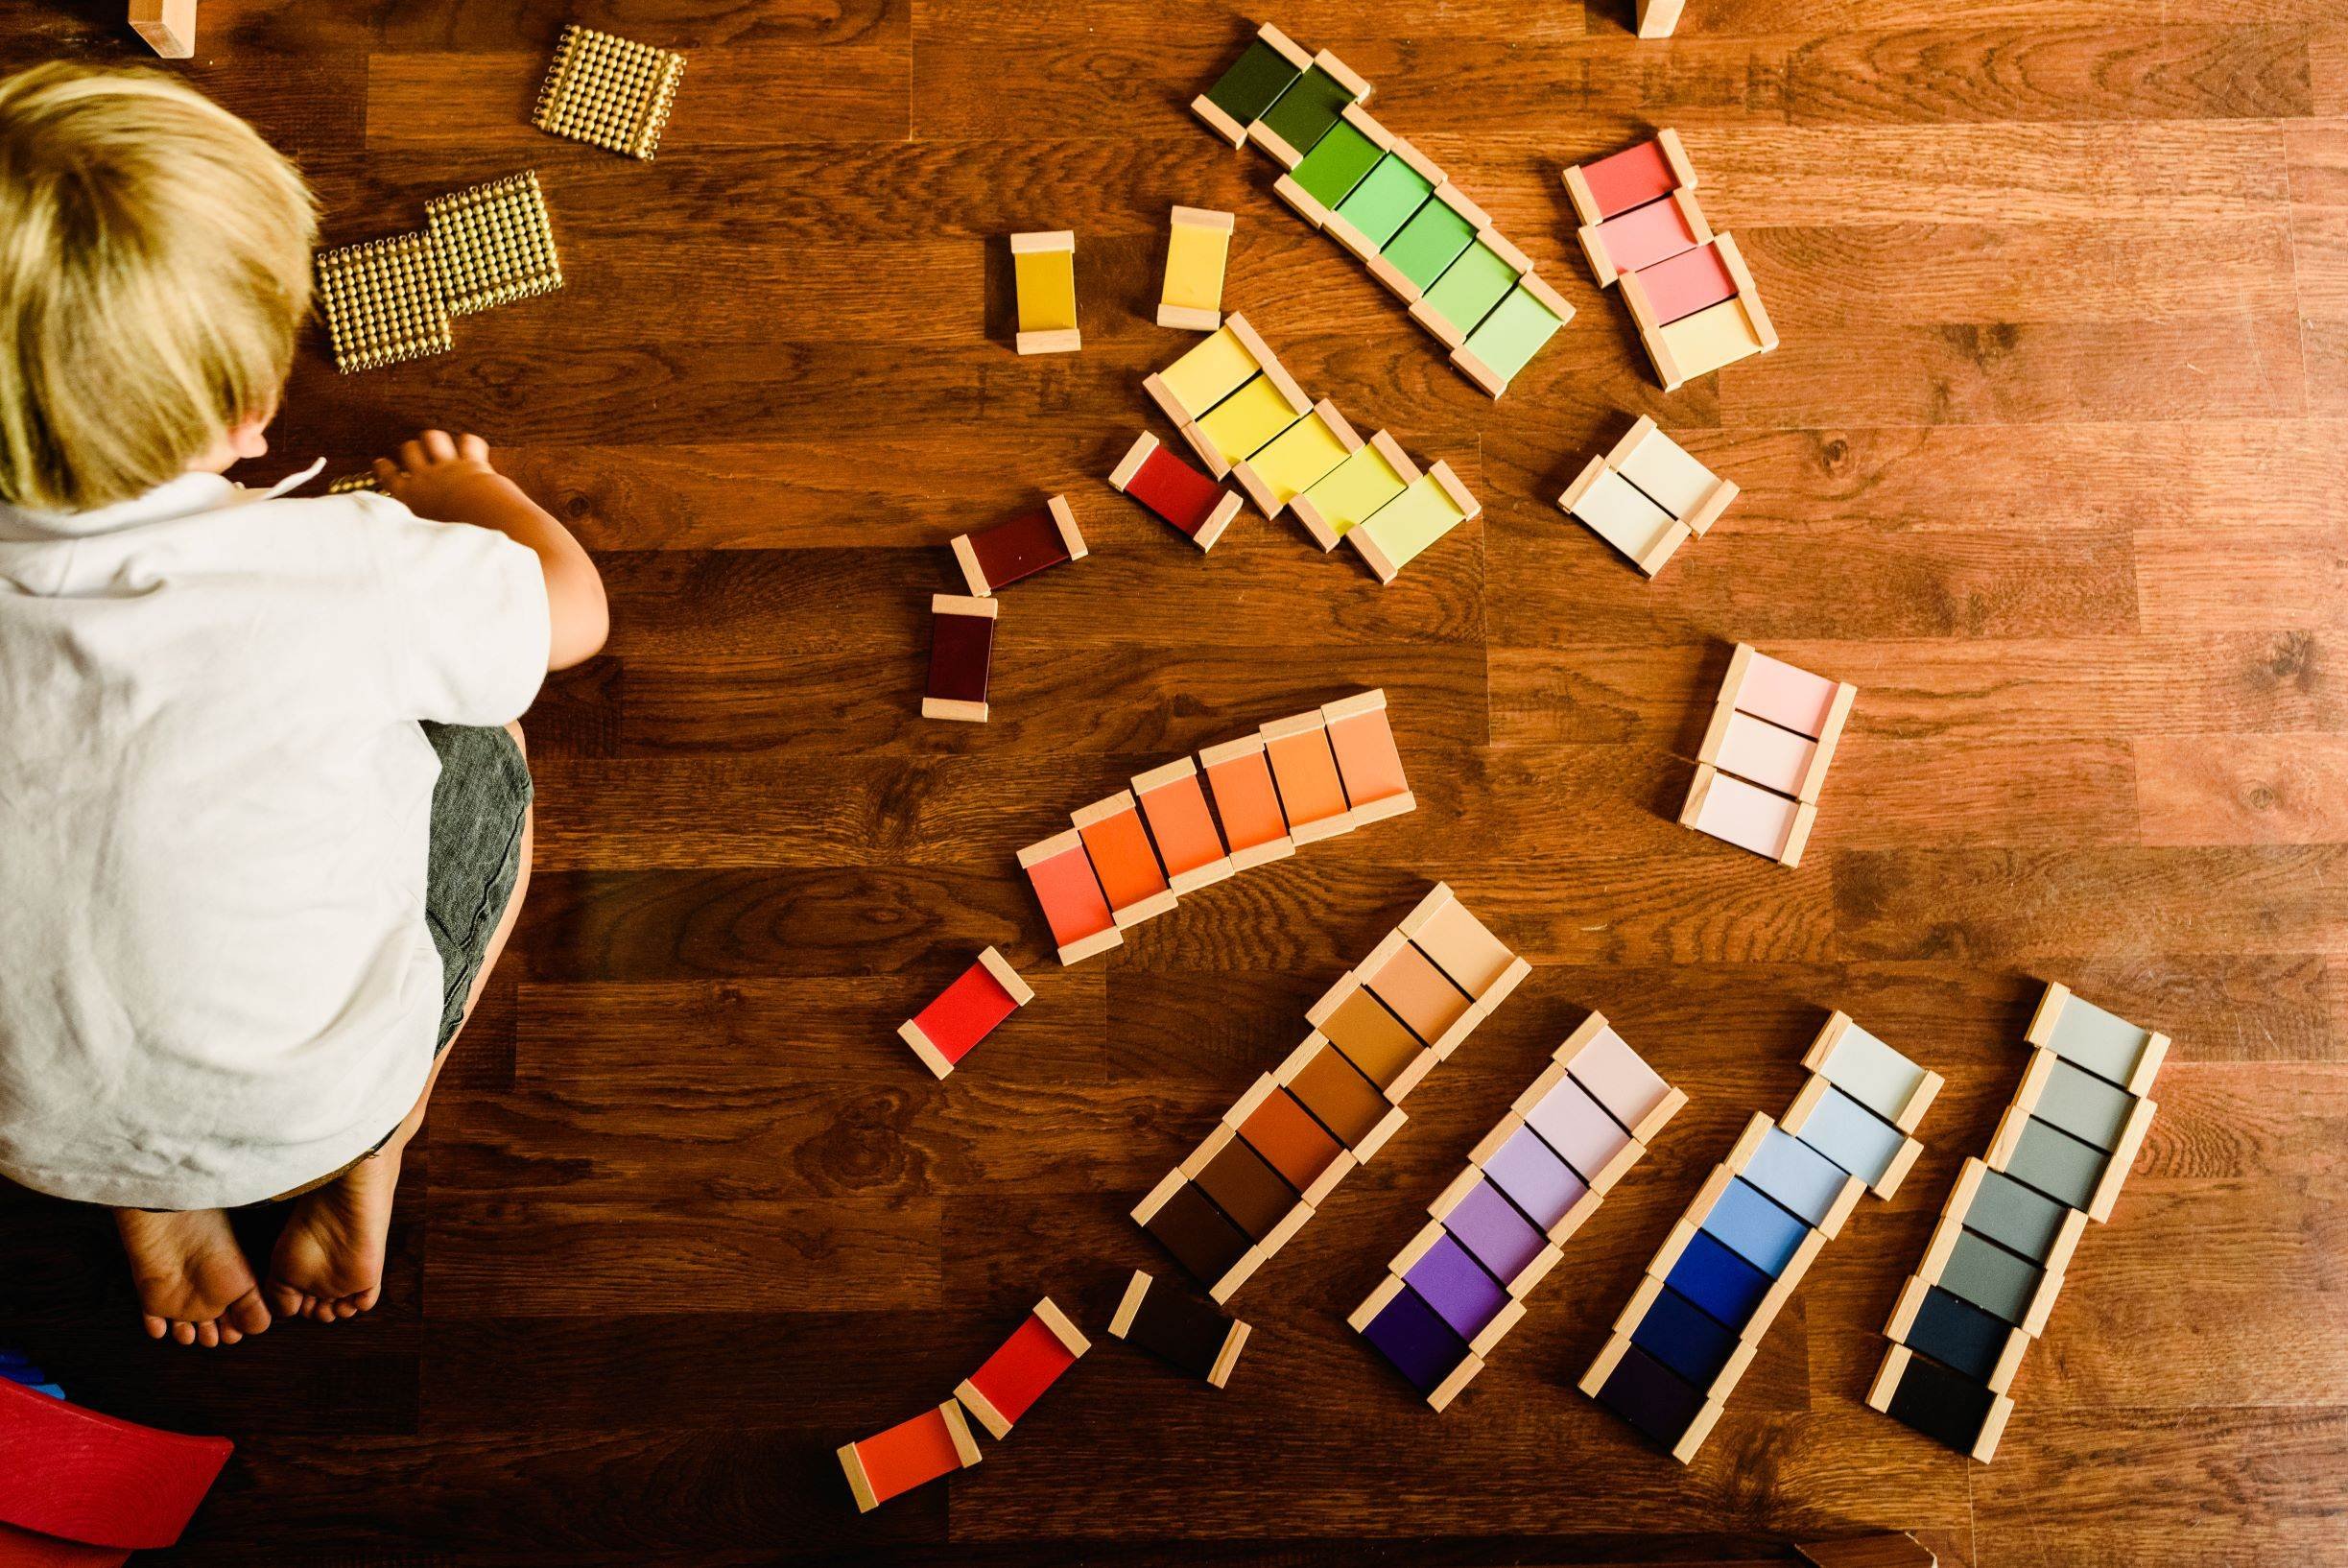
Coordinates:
x,y
1717,1280
18,1367
1761,1233
1677,1334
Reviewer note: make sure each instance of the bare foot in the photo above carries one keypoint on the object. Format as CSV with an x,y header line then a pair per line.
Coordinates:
x,y
329,1262
192,1277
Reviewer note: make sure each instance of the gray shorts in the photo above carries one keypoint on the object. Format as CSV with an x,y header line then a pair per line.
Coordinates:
x,y
478,810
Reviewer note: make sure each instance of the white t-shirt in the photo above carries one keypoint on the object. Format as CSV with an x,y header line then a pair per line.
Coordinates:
x,y
216,982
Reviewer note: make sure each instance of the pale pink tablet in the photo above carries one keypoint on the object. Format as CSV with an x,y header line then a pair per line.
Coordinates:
x,y
1685,283
1756,749
1647,235
1746,816
1617,1078
1778,691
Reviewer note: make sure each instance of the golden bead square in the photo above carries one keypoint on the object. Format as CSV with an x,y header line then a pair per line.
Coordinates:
x,y
383,302
495,244
609,92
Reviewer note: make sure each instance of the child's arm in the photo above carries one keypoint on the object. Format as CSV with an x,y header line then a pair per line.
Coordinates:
x,y
448,479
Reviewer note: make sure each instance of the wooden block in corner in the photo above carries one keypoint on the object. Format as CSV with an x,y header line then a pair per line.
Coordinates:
x,y
167,26
1657,17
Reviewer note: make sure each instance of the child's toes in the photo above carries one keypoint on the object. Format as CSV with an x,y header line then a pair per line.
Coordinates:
x,y
156,1327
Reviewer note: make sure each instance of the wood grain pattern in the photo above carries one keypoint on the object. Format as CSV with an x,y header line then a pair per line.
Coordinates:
x,y
2052,464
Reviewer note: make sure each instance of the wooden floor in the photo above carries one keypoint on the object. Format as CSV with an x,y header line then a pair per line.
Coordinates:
x,y
2052,464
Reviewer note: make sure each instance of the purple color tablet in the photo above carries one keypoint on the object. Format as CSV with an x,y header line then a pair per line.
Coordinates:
x,y
1489,1226
1456,1286
1534,1179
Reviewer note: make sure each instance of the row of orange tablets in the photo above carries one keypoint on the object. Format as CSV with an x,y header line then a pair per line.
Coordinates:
x,y
1129,857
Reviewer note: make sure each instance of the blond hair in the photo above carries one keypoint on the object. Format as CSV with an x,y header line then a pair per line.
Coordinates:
x,y
154,270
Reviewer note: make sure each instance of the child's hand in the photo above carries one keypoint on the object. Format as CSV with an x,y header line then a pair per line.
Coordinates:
x,y
436,470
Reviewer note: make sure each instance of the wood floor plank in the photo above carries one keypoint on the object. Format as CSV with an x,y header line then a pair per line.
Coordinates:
x,y
2166,171
2262,1486
2000,905
2016,373
2248,789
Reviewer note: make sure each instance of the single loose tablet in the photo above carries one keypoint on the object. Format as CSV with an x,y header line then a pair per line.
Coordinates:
x,y
1008,1382
911,1454
966,1012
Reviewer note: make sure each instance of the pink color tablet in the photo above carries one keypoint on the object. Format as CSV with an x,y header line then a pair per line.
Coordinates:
x,y
1778,691
1752,748
1746,816
1685,283
1646,235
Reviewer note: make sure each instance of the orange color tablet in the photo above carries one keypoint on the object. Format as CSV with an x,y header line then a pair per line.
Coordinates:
x,y
1244,795
934,1443
1419,993
1173,803
1062,873
1122,859
1363,742
1310,795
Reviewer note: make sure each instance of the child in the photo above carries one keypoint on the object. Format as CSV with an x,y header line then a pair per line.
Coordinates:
x,y
264,812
